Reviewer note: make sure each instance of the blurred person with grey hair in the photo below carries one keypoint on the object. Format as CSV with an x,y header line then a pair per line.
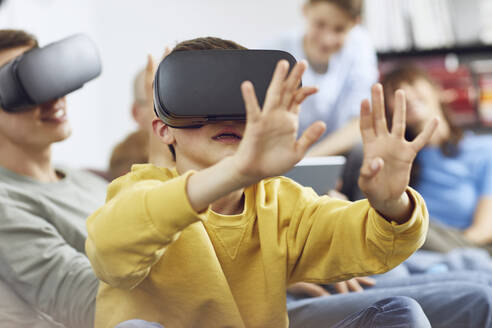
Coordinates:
x,y
139,146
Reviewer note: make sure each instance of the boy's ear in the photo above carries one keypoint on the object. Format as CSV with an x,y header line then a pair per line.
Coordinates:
x,y
162,131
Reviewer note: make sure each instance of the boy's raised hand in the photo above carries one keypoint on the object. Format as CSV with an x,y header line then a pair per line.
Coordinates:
x,y
270,146
388,157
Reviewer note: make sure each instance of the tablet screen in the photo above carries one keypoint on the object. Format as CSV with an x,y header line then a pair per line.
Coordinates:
x,y
319,173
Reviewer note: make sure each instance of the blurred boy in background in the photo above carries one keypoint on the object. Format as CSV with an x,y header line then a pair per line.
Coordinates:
x,y
342,64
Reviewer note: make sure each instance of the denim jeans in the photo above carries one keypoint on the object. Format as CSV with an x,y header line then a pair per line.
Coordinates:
x,y
136,323
446,303
393,312
463,259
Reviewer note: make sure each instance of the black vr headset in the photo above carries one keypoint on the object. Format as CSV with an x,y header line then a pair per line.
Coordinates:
x,y
192,88
47,73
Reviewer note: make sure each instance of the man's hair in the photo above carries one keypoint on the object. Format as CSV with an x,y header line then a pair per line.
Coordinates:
x,y
352,7
16,38
207,43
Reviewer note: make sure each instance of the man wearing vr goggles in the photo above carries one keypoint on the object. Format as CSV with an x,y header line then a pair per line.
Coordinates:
x,y
43,208
216,241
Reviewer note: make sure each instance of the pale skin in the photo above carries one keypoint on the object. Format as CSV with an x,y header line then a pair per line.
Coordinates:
x,y
27,136
424,102
343,287
480,231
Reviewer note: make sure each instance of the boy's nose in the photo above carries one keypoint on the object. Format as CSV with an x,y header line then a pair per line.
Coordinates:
x,y
329,39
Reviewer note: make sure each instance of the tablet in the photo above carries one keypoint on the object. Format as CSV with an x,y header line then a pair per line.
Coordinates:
x,y
319,173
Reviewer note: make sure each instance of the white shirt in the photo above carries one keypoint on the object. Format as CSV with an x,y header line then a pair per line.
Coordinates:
x,y
351,73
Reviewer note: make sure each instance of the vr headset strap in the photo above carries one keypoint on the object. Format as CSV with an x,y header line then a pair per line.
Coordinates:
x,y
15,88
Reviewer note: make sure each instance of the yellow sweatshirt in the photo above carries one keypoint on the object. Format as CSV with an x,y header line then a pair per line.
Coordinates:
x,y
160,261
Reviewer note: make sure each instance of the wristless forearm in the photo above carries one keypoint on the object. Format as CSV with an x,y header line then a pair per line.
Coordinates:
x,y
208,185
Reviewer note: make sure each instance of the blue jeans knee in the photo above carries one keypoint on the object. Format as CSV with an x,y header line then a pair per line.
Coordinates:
x,y
400,311
136,323
391,312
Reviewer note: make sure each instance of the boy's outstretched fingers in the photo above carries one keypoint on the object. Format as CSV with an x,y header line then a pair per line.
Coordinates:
x,y
250,101
309,137
292,83
301,95
399,116
378,113
366,124
275,89
424,137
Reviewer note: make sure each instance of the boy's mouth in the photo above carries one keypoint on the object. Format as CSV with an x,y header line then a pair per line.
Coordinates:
x,y
227,136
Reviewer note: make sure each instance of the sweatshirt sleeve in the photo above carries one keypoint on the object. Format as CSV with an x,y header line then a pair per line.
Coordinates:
x,y
40,266
129,234
332,240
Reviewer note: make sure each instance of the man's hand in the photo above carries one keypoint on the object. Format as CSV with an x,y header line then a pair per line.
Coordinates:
x,y
342,287
270,146
388,157
353,285
308,289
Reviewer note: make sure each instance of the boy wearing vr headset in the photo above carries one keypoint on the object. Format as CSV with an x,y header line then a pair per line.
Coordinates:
x,y
216,241
42,208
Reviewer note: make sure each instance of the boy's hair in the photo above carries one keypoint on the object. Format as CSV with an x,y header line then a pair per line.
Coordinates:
x,y
16,38
207,43
352,7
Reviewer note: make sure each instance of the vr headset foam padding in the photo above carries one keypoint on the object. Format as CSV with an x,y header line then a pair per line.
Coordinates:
x,y
43,74
195,87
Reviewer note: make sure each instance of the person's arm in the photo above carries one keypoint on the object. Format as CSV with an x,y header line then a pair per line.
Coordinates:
x,y
370,236
131,231
45,271
363,73
332,240
338,142
480,232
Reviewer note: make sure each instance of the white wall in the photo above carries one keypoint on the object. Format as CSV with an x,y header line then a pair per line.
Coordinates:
x,y
125,32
